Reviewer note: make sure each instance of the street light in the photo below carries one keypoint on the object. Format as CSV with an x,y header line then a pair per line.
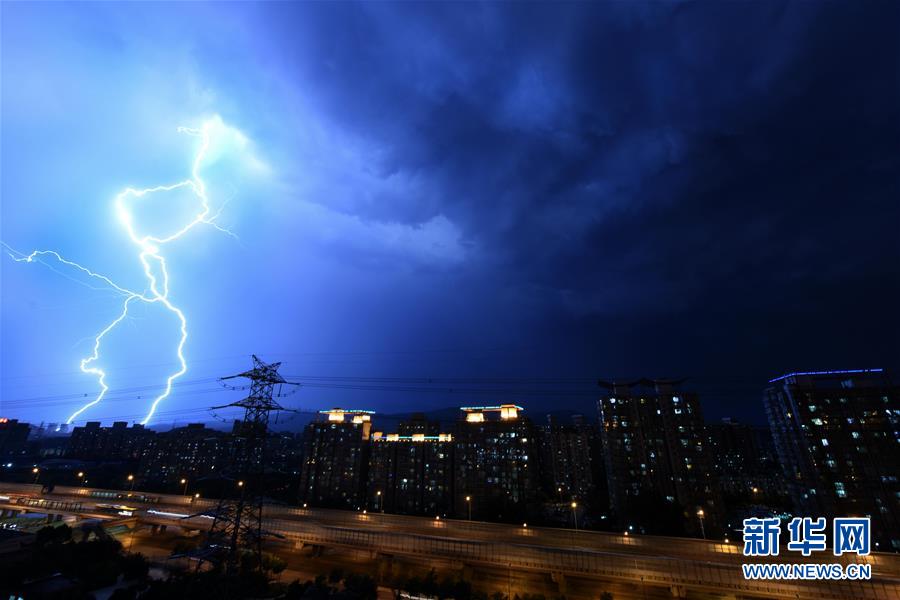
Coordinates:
x,y
469,502
240,484
184,482
380,501
575,514
37,473
131,479
700,514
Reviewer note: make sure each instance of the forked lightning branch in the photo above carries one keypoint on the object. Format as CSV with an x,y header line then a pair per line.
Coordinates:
x,y
149,250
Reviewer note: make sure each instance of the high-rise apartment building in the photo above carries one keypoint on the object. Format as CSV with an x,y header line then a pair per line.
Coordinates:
x,y
496,466
411,471
13,437
191,452
837,435
118,442
658,463
335,459
569,453
744,457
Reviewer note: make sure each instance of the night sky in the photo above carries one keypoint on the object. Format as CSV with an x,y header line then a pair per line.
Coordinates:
x,y
518,191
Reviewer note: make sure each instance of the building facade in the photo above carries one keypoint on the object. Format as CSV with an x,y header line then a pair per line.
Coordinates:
x,y
496,472
336,459
569,453
411,471
837,436
13,437
118,442
658,463
190,452
744,458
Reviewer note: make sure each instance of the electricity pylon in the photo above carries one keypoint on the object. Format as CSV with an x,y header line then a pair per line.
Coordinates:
x,y
237,520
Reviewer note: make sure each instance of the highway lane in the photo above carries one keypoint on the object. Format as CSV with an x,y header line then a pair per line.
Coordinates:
x,y
708,576
659,561
656,546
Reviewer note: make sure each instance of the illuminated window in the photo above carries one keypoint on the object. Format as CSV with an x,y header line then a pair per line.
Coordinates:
x,y
839,489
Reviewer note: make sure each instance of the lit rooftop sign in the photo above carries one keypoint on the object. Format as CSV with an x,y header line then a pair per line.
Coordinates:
x,y
846,372
337,414
475,414
416,437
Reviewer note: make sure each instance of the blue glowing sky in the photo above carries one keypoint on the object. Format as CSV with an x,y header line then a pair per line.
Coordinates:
x,y
457,190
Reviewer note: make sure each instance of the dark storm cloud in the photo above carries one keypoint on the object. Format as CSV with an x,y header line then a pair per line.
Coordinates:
x,y
730,169
631,158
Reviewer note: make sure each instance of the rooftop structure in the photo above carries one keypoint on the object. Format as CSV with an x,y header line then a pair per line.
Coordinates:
x,y
337,415
475,414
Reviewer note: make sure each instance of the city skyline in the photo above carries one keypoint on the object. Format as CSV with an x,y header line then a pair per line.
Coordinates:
x,y
573,194
577,400
650,463
612,502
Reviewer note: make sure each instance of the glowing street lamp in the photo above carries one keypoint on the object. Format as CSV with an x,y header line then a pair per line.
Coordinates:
x,y
37,473
380,500
469,502
700,514
575,514
131,480
184,482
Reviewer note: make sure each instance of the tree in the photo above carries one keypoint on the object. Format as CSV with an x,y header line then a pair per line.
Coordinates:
x,y
134,566
362,587
335,576
53,535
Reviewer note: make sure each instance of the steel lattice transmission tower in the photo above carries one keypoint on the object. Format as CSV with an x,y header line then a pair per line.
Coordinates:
x,y
237,520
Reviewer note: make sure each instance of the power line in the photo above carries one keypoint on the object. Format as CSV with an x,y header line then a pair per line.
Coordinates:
x,y
462,385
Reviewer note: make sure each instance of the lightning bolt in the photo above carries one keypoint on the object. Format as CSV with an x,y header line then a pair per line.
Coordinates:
x,y
153,263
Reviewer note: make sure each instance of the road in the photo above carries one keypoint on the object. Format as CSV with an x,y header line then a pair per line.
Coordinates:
x,y
677,564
